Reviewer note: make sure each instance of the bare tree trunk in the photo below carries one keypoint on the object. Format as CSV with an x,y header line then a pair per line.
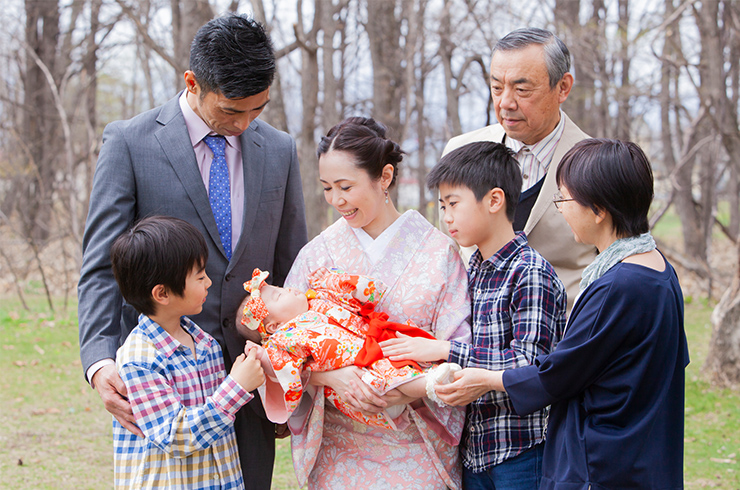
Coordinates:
x,y
733,190
191,15
723,360
41,119
90,108
569,30
274,114
446,49
624,117
312,195
330,107
383,30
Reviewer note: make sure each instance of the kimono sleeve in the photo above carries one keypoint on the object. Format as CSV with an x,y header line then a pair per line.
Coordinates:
x,y
450,322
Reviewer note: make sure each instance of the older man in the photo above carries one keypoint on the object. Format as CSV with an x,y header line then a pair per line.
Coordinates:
x,y
529,80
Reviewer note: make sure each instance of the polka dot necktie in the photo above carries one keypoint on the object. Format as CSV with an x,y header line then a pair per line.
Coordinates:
x,y
219,190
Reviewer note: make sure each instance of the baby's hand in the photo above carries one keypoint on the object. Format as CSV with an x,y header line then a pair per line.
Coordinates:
x,y
247,371
251,346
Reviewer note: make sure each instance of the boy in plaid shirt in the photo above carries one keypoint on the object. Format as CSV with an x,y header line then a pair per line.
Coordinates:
x,y
519,307
180,394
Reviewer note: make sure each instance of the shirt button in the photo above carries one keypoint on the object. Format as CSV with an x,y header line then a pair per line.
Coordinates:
x,y
524,176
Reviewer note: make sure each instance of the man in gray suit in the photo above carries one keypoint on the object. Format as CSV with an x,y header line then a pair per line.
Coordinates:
x,y
160,162
530,79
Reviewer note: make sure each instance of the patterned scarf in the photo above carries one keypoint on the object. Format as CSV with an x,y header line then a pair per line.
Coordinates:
x,y
615,253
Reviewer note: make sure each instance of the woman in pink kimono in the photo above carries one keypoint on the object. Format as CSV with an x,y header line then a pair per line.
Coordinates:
x,y
427,283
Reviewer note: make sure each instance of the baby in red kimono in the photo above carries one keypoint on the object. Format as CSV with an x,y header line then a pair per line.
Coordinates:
x,y
330,326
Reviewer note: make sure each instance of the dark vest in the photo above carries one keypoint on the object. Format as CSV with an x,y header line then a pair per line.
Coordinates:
x,y
526,203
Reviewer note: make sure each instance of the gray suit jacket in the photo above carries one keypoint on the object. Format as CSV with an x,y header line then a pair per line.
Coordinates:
x,y
146,167
546,229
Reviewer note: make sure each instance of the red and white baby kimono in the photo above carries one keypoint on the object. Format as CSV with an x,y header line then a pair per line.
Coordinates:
x,y
332,335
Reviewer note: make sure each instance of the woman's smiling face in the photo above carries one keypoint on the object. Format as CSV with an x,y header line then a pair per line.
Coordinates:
x,y
351,191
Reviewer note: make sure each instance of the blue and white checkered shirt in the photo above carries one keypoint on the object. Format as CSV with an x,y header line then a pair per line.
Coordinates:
x,y
519,307
186,408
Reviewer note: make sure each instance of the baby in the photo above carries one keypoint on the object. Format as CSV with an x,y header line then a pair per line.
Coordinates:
x,y
330,326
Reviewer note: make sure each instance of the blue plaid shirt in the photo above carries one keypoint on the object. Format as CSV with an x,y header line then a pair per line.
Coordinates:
x,y
186,409
519,307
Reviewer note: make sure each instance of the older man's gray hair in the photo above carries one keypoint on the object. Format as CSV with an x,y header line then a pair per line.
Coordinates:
x,y
557,56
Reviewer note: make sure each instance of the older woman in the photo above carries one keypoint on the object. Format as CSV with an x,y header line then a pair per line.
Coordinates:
x,y
616,380
427,283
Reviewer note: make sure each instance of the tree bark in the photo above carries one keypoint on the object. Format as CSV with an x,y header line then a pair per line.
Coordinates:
x,y
383,30
723,360
312,195
41,120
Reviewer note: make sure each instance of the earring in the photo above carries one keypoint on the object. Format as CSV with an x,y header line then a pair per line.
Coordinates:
x,y
385,191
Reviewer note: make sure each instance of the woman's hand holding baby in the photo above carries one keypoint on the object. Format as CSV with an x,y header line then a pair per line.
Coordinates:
x,y
347,383
247,371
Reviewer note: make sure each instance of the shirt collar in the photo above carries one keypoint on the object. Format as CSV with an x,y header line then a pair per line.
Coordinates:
x,y
164,341
542,147
500,258
197,128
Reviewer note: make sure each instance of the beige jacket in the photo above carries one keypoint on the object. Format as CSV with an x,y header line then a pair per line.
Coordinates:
x,y
546,229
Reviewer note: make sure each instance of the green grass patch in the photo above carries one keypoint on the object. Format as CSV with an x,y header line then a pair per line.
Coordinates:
x,y
54,432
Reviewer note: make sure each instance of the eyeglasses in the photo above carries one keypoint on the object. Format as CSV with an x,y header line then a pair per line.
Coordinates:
x,y
558,199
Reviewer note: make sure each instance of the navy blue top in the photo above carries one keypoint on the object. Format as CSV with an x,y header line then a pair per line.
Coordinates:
x,y
616,385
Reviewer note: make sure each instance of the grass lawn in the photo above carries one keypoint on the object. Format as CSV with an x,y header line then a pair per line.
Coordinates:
x,y
54,432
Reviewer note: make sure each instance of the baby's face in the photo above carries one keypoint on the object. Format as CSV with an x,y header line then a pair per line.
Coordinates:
x,y
282,304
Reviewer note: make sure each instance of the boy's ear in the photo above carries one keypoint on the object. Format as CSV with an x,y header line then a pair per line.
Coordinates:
x,y
160,294
496,200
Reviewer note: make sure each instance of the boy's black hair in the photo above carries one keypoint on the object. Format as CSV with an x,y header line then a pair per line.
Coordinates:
x,y
481,166
233,56
610,175
157,250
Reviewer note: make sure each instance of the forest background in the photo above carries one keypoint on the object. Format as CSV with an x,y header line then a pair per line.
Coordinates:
x,y
663,73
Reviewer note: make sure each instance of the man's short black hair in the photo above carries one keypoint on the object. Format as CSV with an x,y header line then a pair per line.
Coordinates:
x,y
233,55
157,250
481,166
610,175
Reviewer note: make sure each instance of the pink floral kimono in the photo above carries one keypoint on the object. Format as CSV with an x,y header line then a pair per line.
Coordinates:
x,y
427,283
329,336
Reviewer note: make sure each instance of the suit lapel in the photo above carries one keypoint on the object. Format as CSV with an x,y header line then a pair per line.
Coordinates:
x,y
571,135
254,161
177,147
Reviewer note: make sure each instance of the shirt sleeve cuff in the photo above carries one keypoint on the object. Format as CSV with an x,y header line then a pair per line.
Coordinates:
x,y
230,396
95,367
459,353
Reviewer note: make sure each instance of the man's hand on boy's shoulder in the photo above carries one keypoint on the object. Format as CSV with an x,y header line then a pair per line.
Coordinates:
x,y
112,391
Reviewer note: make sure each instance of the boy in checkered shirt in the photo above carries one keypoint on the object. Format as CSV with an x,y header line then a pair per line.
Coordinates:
x,y
519,307
182,399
